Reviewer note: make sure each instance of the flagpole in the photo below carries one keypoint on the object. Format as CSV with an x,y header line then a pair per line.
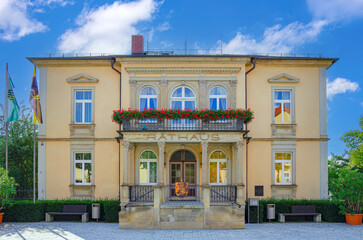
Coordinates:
x,y
34,161
6,117
34,154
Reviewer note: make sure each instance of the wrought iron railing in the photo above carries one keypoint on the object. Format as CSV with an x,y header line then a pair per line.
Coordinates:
x,y
224,125
223,194
25,194
141,194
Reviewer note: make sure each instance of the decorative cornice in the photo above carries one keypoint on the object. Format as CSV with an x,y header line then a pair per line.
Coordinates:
x,y
182,70
283,78
82,78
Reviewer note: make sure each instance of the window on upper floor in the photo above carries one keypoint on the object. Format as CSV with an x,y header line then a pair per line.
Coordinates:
x,y
283,166
148,168
218,99
148,98
183,98
218,168
83,106
282,106
82,168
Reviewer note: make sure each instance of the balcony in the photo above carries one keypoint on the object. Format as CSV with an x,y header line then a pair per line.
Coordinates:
x,y
183,120
164,125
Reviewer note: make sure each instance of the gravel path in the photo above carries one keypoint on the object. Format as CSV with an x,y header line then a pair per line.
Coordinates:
x,y
75,230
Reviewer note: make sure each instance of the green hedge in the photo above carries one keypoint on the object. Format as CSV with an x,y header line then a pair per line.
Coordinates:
x,y
328,209
27,211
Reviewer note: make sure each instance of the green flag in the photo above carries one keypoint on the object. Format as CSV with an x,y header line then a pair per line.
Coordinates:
x,y
13,106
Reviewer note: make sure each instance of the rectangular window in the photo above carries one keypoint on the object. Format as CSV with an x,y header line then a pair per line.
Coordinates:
x,y
83,106
218,172
282,106
83,168
148,172
283,167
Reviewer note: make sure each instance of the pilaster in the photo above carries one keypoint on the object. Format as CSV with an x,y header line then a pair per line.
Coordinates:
x,y
205,165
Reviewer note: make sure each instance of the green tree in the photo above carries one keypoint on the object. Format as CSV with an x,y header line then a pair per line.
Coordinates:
x,y
354,142
20,148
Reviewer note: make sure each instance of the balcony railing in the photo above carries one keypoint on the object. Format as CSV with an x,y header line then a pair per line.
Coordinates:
x,y
141,194
223,194
159,125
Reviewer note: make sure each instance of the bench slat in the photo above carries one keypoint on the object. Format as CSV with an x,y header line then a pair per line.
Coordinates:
x,y
303,209
75,208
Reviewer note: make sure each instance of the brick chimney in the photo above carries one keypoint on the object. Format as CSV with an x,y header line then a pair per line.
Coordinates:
x,y
137,45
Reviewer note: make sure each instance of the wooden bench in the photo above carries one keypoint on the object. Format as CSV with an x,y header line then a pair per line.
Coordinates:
x,y
308,210
80,210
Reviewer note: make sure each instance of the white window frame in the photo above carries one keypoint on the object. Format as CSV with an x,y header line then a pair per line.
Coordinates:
x,y
218,97
148,97
148,161
291,161
74,101
291,101
183,98
82,162
218,161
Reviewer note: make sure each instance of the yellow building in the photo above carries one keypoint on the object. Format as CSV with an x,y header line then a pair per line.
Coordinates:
x,y
282,153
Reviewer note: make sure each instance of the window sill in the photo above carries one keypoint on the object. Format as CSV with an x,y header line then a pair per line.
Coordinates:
x,y
283,191
81,130
81,192
283,129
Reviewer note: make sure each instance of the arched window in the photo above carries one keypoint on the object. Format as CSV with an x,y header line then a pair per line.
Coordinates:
x,y
218,99
218,168
148,98
183,98
148,168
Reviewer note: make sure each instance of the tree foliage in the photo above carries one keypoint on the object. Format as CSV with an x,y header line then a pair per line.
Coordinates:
x,y
354,142
20,148
7,188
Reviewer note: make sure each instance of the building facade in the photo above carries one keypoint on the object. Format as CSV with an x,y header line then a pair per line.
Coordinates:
x,y
281,153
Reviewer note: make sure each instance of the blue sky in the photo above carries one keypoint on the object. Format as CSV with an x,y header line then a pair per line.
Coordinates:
x,y
36,28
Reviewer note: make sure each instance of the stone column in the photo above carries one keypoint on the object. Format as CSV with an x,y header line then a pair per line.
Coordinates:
x,y
156,215
131,163
124,187
206,202
239,146
205,165
161,163
234,165
240,185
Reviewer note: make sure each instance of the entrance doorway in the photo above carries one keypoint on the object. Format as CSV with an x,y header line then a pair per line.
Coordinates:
x,y
183,169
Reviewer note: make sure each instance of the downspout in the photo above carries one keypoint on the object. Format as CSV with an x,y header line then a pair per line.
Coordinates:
x,y
112,61
253,60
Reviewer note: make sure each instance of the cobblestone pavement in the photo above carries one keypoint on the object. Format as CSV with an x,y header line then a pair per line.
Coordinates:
x,y
75,230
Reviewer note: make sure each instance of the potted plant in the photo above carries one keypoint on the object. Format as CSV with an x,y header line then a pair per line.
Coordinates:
x,y
347,190
7,190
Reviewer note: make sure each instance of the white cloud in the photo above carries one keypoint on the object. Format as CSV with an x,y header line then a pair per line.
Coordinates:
x,y
336,9
339,86
107,29
15,21
163,27
276,39
61,3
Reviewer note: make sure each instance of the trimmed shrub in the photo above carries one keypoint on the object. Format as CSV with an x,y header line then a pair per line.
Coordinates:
x,y
24,211
328,209
111,210
27,211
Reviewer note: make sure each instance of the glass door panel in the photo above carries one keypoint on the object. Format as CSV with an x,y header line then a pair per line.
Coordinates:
x,y
176,173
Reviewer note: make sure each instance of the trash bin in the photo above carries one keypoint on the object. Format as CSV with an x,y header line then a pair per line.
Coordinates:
x,y
96,211
270,211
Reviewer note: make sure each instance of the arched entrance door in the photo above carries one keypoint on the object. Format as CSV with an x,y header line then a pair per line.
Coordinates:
x,y
183,169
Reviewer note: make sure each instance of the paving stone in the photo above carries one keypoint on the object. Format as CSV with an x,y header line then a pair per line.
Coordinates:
x,y
92,230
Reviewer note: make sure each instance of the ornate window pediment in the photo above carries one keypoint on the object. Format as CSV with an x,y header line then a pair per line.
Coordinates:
x,y
283,78
82,78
